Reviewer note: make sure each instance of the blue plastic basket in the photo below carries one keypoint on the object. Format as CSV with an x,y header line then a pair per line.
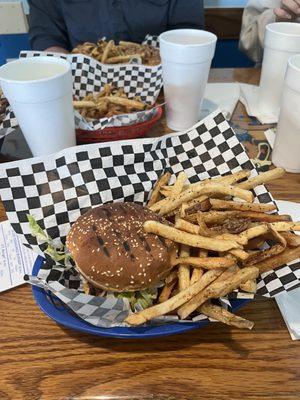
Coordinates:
x,y
57,311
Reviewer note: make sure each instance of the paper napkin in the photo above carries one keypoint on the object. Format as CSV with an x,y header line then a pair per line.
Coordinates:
x,y
16,260
289,302
249,95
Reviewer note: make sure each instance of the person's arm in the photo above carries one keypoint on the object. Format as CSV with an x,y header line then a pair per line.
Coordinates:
x,y
47,29
257,14
186,14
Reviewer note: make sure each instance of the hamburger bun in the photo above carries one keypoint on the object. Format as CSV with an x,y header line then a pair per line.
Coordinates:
x,y
113,252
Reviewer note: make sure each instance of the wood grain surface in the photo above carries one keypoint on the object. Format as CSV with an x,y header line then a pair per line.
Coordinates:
x,y
41,360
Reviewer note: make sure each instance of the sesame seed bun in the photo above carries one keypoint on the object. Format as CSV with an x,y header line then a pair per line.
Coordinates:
x,y
113,252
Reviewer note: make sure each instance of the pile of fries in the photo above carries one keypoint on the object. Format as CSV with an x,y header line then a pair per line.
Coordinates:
x,y
224,242
110,53
108,102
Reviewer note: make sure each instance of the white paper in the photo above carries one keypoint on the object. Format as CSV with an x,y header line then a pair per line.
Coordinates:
x,y
290,208
16,260
249,97
270,136
289,302
220,95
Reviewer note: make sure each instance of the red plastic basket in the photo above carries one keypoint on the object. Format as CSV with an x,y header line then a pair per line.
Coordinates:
x,y
118,133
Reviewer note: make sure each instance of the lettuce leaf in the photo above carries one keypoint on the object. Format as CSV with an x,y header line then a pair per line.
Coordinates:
x,y
56,253
144,298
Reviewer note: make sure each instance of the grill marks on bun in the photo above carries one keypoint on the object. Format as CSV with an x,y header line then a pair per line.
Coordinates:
x,y
112,251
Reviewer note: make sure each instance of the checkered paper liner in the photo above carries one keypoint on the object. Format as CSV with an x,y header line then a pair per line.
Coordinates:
x,y
89,76
57,189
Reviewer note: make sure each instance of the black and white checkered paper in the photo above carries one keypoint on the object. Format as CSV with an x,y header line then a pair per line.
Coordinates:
x,y
89,76
57,189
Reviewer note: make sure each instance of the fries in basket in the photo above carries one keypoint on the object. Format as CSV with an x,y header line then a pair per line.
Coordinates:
x,y
108,102
228,241
111,53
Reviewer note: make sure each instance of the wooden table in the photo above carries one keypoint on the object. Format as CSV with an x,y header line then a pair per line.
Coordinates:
x,y
41,360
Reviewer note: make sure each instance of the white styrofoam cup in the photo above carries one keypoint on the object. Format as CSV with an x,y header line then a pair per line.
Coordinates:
x,y
286,152
39,90
186,56
282,40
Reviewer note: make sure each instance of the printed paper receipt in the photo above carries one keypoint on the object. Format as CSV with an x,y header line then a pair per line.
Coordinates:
x,y
15,259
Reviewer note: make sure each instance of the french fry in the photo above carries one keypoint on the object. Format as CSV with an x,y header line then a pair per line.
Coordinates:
x,y
165,192
217,204
174,302
106,51
198,272
122,59
226,317
178,185
178,236
184,269
138,105
166,292
262,217
288,255
203,205
249,286
230,236
262,178
172,277
235,177
262,229
286,226
206,262
227,180
291,239
259,256
218,289
163,179
200,189
128,44
254,231
194,229
217,217
186,226
239,254
228,273
84,104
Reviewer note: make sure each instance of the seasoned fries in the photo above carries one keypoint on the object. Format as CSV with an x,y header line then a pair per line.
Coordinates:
x,y
111,53
163,180
206,262
184,269
288,255
225,316
175,301
198,272
223,243
262,178
217,204
249,286
200,189
168,232
107,103
218,289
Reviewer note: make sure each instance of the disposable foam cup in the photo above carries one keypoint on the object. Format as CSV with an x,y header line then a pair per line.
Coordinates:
x,y
282,40
39,90
286,152
186,56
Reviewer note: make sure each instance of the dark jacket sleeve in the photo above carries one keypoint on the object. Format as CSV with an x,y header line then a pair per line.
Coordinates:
x,y
46,25
186,14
